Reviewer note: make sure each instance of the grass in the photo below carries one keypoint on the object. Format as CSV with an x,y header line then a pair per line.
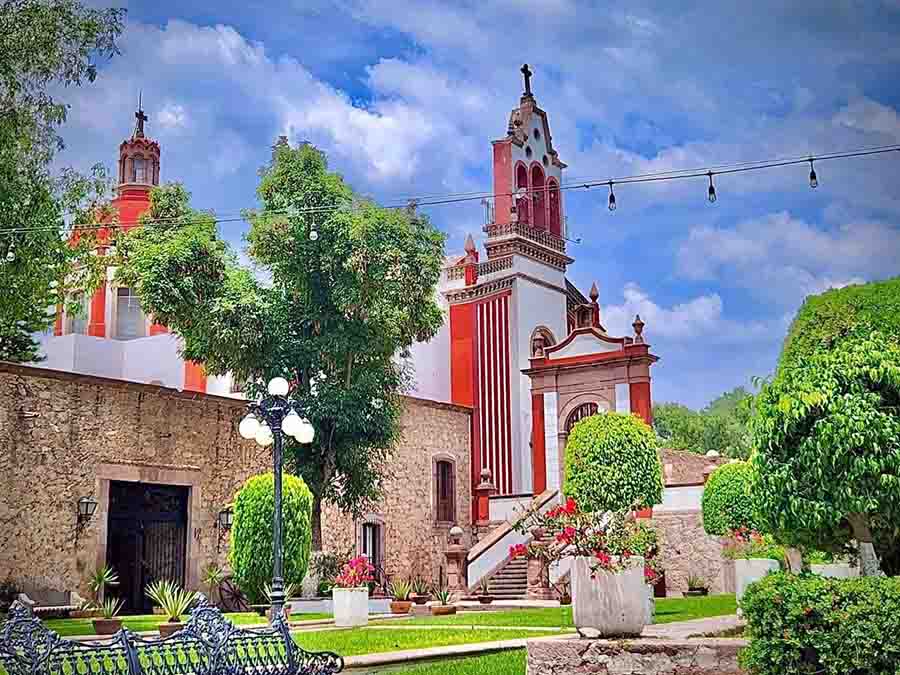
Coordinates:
x,y
138,623
668,610
500,663
311,616
355,641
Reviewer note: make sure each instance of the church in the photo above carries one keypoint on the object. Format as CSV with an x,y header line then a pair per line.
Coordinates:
x,y
116,451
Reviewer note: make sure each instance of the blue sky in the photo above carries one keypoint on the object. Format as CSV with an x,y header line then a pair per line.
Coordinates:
x,y
406,96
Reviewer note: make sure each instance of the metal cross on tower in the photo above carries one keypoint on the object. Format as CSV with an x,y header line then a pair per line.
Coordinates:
x,y
140,117
526,72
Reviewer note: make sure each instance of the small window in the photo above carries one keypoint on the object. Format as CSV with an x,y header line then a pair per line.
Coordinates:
x,y
78,319
528,152
446,492
582,411
546,160
537,135
139,173
129,317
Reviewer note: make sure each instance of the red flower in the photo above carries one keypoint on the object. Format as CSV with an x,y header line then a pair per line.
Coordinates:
x,y
518,550
603,558
566,536
570,508
626,554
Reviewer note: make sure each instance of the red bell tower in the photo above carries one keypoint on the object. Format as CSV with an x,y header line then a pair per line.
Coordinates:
x,y
138,172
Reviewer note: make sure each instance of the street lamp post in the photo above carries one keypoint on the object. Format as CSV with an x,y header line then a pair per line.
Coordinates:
x,y
267,422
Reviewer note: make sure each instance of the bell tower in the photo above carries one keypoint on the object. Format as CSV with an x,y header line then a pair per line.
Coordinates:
x,y
138,172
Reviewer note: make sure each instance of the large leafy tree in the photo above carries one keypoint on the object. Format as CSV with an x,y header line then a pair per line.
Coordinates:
x,y
827,434
43,44
341,287
721,426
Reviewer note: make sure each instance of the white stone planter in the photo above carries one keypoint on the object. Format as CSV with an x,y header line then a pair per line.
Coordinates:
x,y
351,607
611,604
748,571
651,605
835,570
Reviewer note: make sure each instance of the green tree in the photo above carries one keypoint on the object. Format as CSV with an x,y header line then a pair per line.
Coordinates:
x,y
349,286
251,551
678,427
728,500
827,434
722,426
612,464
43,44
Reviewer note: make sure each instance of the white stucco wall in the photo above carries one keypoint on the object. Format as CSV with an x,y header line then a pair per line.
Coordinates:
x,y
681,498
431,360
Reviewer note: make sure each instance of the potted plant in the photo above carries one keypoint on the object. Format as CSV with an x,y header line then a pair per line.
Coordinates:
x,y
108,623
350,593
607,580
830,565
213,578
290,591
564,591
484,592
102,578
755,555
421,591
444,603
400,592
173,600
697,586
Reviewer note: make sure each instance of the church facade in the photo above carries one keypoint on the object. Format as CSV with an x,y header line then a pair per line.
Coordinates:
x,y
521,357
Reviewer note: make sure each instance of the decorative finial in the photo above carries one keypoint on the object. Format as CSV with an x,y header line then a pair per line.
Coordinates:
x,y
526,73
470,244
594,294
140,117
638,326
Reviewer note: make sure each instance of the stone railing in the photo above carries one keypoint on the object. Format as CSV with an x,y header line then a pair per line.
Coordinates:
x,y
458,272
551,241
455,273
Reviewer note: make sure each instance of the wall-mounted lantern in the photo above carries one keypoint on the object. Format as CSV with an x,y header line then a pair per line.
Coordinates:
x,y
87,506
224,521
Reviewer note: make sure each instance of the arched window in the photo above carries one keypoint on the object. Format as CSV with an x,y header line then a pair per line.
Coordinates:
x,y
553,196
445,491
538,197
582,411
522,202
541,339
139,170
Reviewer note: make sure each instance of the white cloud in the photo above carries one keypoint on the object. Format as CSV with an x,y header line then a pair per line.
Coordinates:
x,y
172,116
699,318
786,258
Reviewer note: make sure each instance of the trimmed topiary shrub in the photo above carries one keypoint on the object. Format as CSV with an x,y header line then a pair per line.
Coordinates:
x,y
727,500
612,464
799,625
251,533
852,312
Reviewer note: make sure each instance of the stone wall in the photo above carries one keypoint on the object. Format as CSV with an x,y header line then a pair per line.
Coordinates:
x,y
687,549
413,541
64,436
572,656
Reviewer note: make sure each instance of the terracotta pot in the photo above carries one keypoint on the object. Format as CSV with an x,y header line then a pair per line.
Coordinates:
x,y
400,606
169,627
485,599
419,599
107,626
565,599
443,610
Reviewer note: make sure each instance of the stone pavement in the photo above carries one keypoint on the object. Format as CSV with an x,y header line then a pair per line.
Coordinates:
x,y
680,630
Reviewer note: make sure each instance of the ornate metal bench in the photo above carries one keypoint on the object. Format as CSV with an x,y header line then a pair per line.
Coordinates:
x,y
208,644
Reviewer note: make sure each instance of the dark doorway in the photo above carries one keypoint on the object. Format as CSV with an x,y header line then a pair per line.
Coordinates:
x,y
371,543
147,538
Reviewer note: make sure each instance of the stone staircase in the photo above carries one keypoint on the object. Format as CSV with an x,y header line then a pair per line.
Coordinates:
x,y
511,582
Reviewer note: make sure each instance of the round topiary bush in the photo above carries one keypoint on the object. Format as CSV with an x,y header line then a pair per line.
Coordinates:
x,y
727,499
251,533
612,464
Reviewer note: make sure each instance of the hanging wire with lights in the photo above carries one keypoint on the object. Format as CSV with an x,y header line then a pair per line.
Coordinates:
x,y
454,198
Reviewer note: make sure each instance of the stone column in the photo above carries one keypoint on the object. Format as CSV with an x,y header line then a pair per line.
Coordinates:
x,y
456,562
538,580
482,496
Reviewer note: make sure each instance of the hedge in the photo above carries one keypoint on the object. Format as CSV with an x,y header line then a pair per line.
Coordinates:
x,y
806,624
727,500
251,533
612,463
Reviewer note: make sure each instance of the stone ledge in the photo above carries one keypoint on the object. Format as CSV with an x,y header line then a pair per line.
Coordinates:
x,y
572,655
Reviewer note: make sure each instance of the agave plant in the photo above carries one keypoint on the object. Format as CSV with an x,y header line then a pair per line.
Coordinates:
x,y
110,607
444,596
213,577
290,591
103,577
401,590
172,599
420,586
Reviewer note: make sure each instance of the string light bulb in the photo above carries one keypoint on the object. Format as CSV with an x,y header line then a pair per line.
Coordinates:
x,y
10,253
813,178
612,197
712,188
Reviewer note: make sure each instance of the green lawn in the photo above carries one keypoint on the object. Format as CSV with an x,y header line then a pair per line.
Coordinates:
x,y
138,623
668,610
354,641
501,663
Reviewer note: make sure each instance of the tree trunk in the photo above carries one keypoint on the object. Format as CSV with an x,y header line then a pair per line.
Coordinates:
x,y
868,559
317,523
